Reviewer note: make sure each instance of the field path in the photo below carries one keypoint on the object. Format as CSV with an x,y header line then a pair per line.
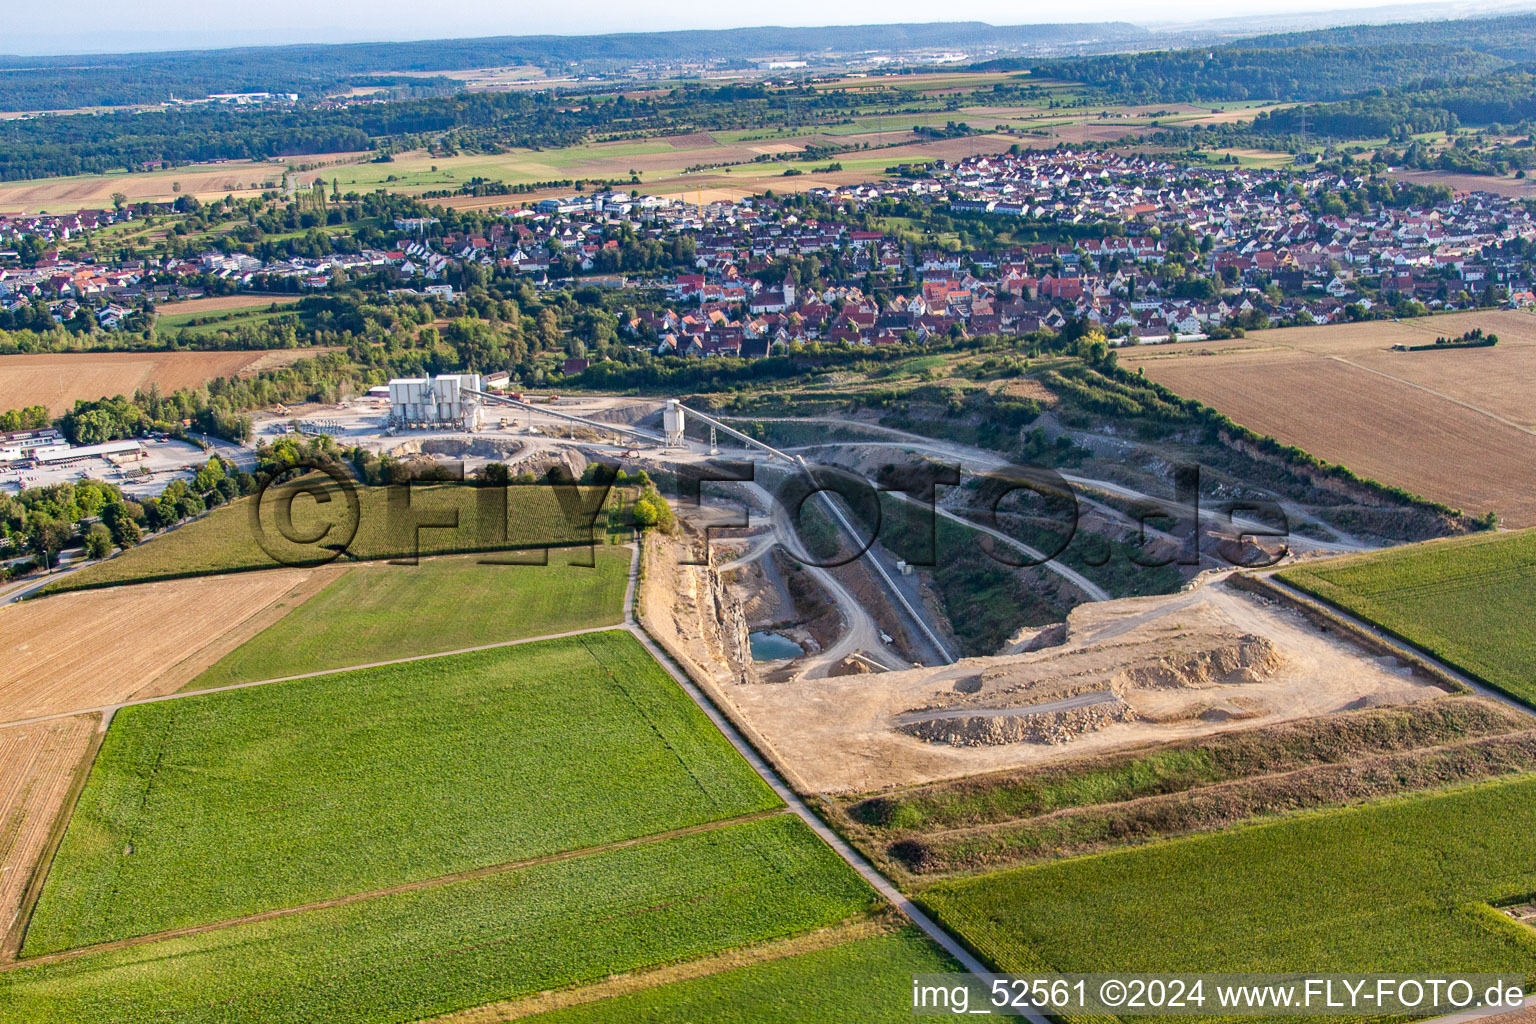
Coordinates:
x,y
769,775
852,857
1438,394
1377,633
393,890
108,710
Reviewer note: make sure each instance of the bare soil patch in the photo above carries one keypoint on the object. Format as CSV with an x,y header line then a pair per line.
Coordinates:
x,y
1502,186
206,181
91,648
38,767
220,303
1440,424
58,380
693,140
844,735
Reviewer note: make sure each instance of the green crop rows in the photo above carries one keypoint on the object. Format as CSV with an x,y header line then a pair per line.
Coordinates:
x,y
378,612
386,527
207,808
428,951
1399,886
868,981
1471,602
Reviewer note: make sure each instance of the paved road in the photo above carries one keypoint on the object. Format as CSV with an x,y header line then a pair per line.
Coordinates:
x,y
791,799
977,459
860,631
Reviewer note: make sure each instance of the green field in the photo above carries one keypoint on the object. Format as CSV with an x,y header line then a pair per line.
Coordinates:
x,y
381,611
1400,886
419,953
227,541
208,808
1469,601
228,320
867,981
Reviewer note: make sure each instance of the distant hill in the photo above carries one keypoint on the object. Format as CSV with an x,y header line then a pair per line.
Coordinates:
x,y
1323,64
54,82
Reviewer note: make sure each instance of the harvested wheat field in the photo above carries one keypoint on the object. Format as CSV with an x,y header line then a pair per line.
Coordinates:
x,y
1456,426
209,304
38,766
205,181
98,647
58,380
1129,672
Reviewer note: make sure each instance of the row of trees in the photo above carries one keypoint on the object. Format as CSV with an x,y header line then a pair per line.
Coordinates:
x,y
45,520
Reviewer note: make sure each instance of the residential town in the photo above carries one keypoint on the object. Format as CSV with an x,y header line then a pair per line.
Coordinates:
x,y
1149,251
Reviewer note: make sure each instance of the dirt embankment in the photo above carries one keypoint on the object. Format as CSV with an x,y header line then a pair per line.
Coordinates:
x,y
456,447
1058,699
1232,659
690,611
985,822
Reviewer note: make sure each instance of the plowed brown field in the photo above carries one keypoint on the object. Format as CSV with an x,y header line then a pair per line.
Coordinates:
x,y
1456,426
37,768
98,647
57,380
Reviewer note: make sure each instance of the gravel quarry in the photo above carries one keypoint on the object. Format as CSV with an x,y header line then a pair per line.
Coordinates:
x,y
1116,674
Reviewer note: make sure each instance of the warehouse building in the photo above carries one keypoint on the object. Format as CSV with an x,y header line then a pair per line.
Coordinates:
x,y
63,454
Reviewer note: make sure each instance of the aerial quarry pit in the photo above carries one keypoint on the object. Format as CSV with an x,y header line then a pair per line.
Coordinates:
x,y
1117,674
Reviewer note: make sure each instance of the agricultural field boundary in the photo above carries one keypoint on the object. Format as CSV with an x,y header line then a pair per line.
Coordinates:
x,y
341,901
1438,394
1398,644
1367,634
856,860
791,798
108,710
703,967
16,929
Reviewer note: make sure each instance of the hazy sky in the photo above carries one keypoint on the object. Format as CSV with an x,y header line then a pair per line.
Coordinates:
x,y
164,24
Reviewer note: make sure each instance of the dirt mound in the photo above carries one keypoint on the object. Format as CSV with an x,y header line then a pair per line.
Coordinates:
x,y
457,447
1052,727
1224,660
1183,666
851,666
1064,692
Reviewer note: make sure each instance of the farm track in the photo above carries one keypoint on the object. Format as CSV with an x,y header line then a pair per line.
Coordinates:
x,y
1438,394
856,860
393,890
1380,635
688,970
769,775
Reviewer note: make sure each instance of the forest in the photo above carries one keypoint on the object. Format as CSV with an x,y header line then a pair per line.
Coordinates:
x,y
476,122
97,80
